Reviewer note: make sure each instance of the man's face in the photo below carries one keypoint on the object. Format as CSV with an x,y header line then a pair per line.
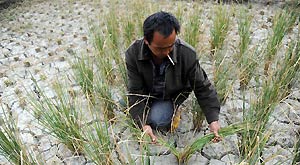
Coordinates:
x,y
161,46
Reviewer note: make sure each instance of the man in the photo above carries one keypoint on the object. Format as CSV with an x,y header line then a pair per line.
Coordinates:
x,y
162,71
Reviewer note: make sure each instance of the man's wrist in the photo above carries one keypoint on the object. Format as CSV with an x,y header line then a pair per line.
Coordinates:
x,y
216,120
146,126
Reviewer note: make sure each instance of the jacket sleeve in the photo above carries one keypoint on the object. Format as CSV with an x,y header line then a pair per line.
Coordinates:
x,y
137,102
205,93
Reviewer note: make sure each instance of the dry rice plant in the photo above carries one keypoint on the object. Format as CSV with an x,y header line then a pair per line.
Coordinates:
x,y
11,146
282,23
59,115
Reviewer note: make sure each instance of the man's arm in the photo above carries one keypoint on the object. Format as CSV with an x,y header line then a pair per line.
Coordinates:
x,y
205,93
207,98
135,89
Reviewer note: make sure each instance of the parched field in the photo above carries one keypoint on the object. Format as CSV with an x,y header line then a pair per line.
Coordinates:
x,y
63,92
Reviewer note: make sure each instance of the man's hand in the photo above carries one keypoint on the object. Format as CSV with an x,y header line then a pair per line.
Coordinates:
x,y
214,128
148,130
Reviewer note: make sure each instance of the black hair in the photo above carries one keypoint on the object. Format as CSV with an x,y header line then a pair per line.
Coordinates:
x,y
162,22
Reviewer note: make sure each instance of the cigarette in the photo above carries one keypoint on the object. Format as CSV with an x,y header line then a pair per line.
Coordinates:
x,y
171,60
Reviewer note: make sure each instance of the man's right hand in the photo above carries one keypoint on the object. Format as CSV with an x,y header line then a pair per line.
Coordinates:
x,y
214,128
148,130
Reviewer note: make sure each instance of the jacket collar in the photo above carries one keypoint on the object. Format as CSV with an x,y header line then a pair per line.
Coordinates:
x,y
145,52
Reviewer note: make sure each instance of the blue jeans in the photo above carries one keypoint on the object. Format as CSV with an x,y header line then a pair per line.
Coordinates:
x,y
160,114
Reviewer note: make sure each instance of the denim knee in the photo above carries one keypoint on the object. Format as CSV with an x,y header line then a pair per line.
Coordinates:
x,y
161,113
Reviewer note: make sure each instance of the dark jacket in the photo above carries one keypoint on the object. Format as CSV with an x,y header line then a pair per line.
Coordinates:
x,y
180,79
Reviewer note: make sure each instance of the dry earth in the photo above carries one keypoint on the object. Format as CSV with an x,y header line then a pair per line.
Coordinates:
x,y
38,38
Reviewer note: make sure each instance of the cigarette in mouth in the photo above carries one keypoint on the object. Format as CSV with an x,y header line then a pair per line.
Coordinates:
x,y
171,60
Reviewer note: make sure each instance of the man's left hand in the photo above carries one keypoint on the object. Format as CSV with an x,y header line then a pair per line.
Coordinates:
x,y
214,128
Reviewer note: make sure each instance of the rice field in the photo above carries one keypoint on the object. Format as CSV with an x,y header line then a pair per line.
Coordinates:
x,y
63,83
